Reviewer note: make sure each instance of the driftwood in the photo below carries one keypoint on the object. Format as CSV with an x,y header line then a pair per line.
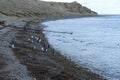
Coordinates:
x,y
59,32
39,31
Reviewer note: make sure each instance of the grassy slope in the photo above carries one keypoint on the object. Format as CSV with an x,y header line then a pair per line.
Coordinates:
x,y
30,8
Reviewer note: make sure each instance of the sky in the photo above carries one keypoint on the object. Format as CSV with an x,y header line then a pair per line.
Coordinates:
x,y
100,6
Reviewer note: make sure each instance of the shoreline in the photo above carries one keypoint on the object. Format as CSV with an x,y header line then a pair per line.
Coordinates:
x,y
41,60
75,64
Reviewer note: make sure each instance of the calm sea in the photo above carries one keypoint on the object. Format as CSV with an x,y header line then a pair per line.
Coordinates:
x,y
94,44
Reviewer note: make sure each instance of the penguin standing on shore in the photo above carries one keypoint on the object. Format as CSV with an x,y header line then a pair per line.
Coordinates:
x,y
32,37
38,39
13,46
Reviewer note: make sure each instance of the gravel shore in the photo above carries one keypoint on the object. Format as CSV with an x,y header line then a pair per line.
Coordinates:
x,y
26,55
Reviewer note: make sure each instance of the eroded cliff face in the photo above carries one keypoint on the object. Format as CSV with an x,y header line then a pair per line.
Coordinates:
x,y
73,8
35,8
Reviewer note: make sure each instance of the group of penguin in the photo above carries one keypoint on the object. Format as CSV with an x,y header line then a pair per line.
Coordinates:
x,y
44,45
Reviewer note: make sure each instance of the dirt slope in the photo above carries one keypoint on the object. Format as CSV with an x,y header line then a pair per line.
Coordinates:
x,y
32,8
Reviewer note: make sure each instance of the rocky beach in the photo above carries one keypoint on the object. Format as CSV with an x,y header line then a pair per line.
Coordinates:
x,y
25,53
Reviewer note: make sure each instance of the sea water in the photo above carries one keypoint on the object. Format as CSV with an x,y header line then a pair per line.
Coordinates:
x,y
94,44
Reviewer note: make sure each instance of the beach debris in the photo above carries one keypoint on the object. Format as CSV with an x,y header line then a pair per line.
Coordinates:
x,y
59,32
65,75
39,31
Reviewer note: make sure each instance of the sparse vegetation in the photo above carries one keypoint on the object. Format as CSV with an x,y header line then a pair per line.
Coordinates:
x,y
35,8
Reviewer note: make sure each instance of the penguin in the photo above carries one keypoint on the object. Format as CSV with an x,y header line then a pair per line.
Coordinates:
x,y
28,39
13,46
34,47
32,37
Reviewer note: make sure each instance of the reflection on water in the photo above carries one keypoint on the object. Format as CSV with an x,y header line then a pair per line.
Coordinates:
x,y
95,42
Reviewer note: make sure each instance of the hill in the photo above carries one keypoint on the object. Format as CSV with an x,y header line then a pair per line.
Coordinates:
x,y
35,8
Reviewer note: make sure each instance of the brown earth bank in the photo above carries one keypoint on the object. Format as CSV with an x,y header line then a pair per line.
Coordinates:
x,y
37,8
42,62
